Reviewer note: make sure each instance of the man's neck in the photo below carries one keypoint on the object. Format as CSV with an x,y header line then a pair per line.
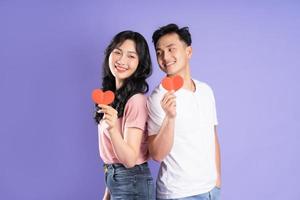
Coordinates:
x,y
188,83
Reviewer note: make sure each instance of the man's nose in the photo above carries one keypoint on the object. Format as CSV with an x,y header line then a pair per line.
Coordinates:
x,y
166,56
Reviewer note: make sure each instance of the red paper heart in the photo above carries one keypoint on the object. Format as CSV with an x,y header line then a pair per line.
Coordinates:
x,y
172,83
100,97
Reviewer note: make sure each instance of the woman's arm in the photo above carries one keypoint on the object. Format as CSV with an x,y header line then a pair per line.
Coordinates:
x,y
127,149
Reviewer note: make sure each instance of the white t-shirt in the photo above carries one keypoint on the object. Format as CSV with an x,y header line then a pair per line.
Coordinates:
x,y
189,169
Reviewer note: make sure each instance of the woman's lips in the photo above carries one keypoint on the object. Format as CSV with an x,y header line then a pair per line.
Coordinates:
x,y
120,68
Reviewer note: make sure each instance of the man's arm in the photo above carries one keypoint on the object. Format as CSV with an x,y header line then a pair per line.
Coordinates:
x,y
161,144
218,159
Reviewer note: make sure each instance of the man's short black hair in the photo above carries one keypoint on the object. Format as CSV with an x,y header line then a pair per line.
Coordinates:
x,y
183,33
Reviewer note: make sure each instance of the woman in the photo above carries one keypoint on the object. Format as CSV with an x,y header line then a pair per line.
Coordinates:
x,y
122,126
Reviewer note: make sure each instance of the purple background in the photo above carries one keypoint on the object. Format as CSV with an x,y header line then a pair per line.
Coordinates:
x,y
50,58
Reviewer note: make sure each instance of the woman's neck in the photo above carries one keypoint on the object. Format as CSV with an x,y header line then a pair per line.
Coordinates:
x,y
119,84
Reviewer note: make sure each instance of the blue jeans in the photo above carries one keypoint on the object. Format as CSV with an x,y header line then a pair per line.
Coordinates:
x,y
134,183
214,194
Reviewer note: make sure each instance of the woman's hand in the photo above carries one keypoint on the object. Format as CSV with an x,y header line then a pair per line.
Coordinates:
x,y
106,194
110,116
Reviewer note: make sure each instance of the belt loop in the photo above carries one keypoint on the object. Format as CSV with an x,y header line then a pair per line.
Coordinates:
x,y
140,167
113,172
105,167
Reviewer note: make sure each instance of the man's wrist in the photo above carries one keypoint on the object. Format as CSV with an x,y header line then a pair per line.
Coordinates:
x,y
170,118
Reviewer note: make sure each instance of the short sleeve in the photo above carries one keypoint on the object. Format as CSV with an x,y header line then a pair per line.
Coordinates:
x,y
155,113
135,113
214,109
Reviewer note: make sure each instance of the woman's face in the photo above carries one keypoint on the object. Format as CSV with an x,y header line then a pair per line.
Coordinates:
x,y
123,61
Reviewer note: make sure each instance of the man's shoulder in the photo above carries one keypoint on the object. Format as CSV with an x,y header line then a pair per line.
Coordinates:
x,y
157,92
202,86
153,101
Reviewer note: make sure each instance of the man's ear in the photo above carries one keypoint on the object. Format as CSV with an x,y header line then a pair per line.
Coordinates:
x,y
189,51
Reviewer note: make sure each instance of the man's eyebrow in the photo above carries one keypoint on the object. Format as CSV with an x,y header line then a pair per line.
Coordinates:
x,y
169,45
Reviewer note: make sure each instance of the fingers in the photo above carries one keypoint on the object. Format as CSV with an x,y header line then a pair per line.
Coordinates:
x,y
110,115
168,103
168,95
107,110
171,102
168,99
109,119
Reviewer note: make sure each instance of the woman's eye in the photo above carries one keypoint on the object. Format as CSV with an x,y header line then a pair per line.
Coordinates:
x,y
117,52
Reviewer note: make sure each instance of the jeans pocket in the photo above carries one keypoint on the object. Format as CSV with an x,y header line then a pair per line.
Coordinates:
x,y
216,193
218,188
121,187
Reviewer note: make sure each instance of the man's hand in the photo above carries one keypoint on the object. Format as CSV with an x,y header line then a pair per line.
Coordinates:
x,y
168,104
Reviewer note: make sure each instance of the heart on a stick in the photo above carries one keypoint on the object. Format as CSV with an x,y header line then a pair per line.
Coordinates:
x,y
172,83
100,97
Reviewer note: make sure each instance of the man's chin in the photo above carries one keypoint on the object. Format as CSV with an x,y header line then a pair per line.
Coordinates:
x,y
168,72
171,73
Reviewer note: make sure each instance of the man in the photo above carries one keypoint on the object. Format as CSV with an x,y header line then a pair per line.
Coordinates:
x,y
182,125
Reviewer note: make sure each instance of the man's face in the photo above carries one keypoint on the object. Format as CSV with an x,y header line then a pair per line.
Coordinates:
x,y
173,55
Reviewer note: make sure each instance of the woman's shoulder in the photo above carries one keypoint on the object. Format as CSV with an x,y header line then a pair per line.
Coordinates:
x,y
136,104
138,98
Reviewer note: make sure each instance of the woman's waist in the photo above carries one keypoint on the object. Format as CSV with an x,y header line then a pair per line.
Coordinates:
x,y
108,156
121,169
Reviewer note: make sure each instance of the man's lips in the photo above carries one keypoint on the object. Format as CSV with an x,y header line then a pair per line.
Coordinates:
x,y
169,64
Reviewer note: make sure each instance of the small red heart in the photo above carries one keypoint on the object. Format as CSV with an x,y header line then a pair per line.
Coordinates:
x,y
100,97
172,83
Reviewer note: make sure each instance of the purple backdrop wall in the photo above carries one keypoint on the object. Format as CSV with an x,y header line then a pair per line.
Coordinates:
x,y
50,57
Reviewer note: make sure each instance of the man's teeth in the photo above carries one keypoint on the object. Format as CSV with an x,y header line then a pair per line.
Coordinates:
x,y
168,64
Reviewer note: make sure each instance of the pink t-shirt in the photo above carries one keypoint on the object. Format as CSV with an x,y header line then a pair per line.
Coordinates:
x,y
135,116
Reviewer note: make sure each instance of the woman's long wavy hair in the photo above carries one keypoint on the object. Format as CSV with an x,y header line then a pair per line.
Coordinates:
x,y
134,84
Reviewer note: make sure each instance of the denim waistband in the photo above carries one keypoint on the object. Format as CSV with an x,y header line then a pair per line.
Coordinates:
x,y
119,166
